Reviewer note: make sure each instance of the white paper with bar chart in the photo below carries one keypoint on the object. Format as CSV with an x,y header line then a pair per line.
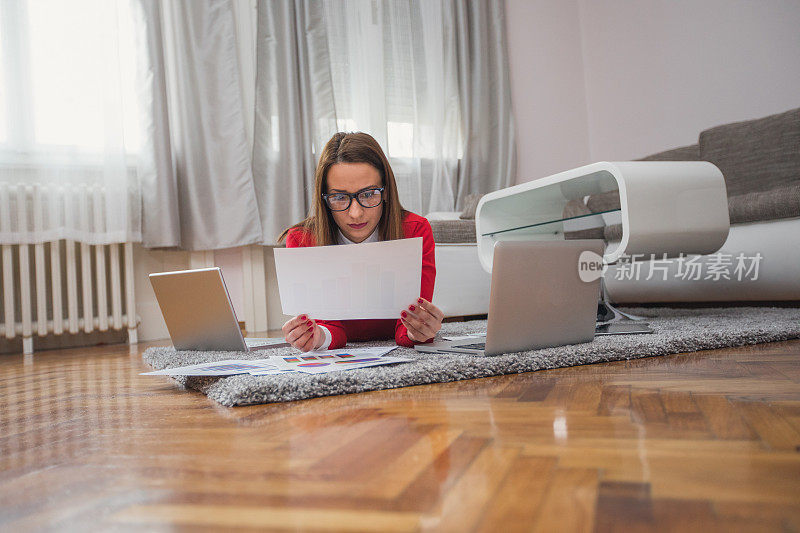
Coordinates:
x,y
353,281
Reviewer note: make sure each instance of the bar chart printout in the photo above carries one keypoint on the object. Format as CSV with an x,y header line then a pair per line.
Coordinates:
x,y
350,282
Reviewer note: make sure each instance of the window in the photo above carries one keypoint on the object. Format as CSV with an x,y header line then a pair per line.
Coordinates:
x,y
393,73
67,82
68,125
387,75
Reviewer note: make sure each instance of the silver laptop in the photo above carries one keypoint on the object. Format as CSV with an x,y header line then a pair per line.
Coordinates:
x,y
199,314
537,299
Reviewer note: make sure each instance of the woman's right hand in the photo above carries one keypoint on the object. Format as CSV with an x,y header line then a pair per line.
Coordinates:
x,y
303,333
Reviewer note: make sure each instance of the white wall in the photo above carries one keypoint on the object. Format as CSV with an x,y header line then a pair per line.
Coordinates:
x,y
547,86
660,71
620,79
145,262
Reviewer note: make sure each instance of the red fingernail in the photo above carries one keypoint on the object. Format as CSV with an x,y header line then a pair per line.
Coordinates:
x,y
311,328
403,314
303,317
308,323
411,307
419,300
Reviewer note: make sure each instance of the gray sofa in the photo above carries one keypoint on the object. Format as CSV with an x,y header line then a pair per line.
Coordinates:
x,y
760,160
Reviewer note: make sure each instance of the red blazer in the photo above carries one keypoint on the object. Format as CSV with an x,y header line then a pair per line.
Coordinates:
x,y
375,329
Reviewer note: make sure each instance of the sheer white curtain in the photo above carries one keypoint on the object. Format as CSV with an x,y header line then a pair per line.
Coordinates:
x,y
429,80
395,76
68,122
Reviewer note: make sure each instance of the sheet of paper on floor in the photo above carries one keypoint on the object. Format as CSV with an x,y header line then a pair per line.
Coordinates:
x,y
354,281
228,367
275,365
337,360
271,372
376,351
339,364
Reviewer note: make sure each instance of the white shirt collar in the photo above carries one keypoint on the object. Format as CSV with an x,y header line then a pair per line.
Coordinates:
x,y
374,237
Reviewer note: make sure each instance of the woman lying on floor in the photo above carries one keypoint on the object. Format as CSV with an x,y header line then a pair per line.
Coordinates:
x,y
355,201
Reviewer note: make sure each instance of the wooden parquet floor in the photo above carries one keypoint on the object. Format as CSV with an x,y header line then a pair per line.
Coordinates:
x,y
696,442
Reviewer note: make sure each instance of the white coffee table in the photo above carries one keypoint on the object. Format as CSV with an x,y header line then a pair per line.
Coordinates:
x,y
665,207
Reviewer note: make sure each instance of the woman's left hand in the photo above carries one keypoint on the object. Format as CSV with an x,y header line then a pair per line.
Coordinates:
x,y
422,320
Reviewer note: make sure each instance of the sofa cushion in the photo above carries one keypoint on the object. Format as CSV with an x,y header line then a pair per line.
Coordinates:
x,y
606,201
755,155
470,206
780,202
774,204
576,208
453,231
684,153
613,233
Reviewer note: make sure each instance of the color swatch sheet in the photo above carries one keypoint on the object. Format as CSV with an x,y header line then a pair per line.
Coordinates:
x,y
353,281
307,363
228,367
336,360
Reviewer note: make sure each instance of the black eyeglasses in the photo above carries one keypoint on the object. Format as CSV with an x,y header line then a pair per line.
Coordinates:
x,y
340,201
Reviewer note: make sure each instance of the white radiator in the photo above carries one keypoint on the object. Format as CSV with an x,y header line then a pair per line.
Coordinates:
x,y
63,286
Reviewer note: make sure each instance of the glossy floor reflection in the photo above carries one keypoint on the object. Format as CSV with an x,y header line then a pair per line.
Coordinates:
x,y
705,441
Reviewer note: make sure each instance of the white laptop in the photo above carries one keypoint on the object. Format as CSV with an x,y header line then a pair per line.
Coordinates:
x,y
199,314
537,299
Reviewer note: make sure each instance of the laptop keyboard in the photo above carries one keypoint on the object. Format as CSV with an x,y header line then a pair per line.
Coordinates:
x,y
475,346
272,342
254,342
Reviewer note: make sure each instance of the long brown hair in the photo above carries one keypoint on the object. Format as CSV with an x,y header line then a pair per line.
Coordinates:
x,y
354,147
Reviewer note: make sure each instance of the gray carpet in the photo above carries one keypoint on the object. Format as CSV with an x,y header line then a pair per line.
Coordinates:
x,y
677,331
